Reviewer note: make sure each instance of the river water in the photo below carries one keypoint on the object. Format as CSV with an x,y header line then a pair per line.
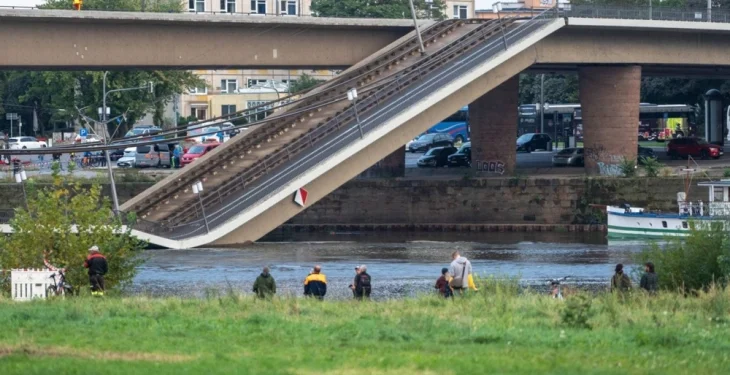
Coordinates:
x,y
401,265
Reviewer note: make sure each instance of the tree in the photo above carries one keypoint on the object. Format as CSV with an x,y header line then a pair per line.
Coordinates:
x,y
378,8
303,83
60,223
557,88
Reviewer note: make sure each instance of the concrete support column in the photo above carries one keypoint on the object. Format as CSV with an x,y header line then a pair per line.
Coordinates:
x,y
493,123
609,98
393,165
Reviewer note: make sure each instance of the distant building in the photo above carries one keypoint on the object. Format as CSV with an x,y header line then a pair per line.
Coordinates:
x,y
520,8
254,7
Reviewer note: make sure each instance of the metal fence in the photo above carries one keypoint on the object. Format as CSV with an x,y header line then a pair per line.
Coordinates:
x,y
647,13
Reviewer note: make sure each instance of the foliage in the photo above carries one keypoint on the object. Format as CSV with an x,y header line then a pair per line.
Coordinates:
x,y
726,173
577,311
627,167
493,334
558,88
304,83
693,263
378,8
55,95
652,166
63,221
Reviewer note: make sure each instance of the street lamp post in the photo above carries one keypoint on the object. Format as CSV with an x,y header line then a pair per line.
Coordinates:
x,y
415,24
20,178
107,139
198,190
542,103
497,8
352,96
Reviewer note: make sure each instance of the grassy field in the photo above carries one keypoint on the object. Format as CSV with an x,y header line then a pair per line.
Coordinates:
x,y
492,332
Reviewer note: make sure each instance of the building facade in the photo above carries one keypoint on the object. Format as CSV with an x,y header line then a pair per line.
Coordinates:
x,y
253,7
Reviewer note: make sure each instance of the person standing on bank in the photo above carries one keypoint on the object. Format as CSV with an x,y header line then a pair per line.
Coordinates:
x,y
620,282
265,285
315,285
649,280
354,281
98,267
460,269
362,283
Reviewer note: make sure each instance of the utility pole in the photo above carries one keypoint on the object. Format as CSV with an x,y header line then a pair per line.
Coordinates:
x,y
709,10
542,103
418,31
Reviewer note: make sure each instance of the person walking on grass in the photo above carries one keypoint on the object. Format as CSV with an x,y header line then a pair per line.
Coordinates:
x,y
442,284
620,282
649,280
98,267
265,285
362,283
315,285
460,270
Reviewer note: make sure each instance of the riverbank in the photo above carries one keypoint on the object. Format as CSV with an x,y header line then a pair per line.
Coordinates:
x,y
493,331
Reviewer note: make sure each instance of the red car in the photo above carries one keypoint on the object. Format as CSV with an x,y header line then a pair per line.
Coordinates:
x,y
197,151
695,147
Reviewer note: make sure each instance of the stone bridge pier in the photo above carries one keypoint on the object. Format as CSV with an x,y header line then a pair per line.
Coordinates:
x,y
609,99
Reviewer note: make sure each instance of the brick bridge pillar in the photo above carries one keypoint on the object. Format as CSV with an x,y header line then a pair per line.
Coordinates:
x,y
609,98
393,165
493,123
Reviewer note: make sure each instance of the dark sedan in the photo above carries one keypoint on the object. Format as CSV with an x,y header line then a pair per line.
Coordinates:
x,y
436,157
429,141
644,153
461,158
533,141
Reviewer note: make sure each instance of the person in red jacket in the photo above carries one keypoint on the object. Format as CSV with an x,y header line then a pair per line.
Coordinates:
x,y
98,267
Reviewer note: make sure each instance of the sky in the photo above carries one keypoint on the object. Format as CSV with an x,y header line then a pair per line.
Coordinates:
x,y
21,3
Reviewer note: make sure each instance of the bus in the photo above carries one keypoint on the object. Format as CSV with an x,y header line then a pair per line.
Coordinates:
x,y
656,122
457,125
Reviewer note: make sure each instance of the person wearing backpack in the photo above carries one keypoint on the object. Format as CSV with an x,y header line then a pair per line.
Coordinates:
x,y
460,270
362,283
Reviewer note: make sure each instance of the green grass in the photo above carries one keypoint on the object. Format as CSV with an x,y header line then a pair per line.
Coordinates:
x,y
493,331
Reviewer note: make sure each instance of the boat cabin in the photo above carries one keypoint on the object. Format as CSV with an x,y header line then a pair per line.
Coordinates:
x,y
718,203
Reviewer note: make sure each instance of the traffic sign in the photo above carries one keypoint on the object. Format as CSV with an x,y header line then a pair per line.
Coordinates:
x,y
83,132
11,116
300,197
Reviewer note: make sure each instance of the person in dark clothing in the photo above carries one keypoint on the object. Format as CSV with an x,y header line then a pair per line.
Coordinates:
x,y
620,282
442,284
315,285
362,284
265,285
649,280
98,267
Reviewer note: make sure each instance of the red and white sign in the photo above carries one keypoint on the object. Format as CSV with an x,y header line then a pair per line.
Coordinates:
x,y
300,197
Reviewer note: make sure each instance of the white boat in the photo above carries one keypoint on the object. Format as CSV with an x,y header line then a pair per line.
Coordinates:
x,y
634,222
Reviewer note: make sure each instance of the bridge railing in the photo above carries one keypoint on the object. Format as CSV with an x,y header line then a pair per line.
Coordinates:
x,y
657,13
275,179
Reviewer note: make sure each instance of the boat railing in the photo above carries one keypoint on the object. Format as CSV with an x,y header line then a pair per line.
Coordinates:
x,y
699,208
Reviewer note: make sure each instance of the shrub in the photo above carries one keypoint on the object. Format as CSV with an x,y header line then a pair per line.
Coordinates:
x,y
652,166
628,167
666,172
726,173
693,263
577,311
60,224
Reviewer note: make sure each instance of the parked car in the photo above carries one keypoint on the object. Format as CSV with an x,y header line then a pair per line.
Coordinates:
x,y
436,157
129,158
19,143
157,155
429,141
644,153
461,158
696,147
569,157
143,130
116,154
196,152
529,142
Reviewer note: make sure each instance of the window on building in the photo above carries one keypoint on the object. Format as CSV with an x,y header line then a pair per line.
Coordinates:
x,y
228,6
200,90
258,6
460,11
200,113
227,109
196,5
254,82
229,86
288,7
260,113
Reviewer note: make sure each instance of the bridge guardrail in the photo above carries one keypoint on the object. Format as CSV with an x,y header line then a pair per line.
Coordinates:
x,y
656,13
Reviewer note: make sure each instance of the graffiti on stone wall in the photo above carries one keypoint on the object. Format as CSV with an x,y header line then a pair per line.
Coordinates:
x,y
608,164
495,166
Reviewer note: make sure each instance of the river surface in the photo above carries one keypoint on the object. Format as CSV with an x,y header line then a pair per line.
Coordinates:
x,y
401,265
